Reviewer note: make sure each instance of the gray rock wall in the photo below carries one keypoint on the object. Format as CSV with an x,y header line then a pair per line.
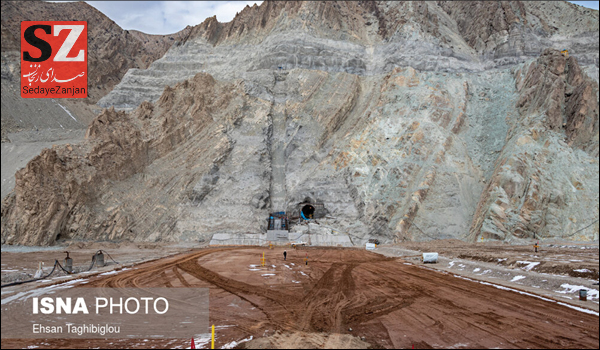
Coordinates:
x,y
411,128
449,37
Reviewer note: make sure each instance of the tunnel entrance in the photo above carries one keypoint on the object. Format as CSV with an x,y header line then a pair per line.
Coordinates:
x,y
308,211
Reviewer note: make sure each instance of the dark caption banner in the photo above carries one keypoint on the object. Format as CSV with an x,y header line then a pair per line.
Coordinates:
x,y
89,313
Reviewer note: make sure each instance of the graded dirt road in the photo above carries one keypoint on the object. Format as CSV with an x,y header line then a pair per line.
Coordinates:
x,y
383,300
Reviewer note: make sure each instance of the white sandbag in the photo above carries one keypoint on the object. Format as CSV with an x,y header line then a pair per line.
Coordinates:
x,y
430,258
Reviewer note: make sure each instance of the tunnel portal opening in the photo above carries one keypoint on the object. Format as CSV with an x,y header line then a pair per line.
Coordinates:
x,y
308,211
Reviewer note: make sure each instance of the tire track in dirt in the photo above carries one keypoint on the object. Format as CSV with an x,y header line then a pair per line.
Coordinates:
x,y
277,300
180,277
144,274
514,314
381,297
322,309
324,302
165,279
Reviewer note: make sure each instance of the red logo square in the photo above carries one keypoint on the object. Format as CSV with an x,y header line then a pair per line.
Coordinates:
x,y
54,59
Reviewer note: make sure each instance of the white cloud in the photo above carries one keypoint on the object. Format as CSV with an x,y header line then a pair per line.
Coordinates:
x,y
165,17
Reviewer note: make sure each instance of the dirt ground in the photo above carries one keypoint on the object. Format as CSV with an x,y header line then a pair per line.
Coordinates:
x,y
346,298
575,259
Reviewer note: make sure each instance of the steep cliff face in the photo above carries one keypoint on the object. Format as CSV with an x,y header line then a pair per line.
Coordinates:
x,y
366,38
508,30
126,179
546,179
557,87
30,125
395,117
402,156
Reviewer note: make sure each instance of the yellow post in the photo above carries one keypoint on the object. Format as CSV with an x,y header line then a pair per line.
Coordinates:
x,y
212,338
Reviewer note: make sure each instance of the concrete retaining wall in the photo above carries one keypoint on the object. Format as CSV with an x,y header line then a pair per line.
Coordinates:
x,y
277,235
262,239
321,239
239,239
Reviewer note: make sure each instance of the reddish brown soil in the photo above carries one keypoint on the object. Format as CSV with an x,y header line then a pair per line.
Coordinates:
x,y
555,257
390,304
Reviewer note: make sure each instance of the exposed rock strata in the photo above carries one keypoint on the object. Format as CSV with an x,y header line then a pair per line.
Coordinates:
x,y
367,38
544,184
399,119
404,156
126,179
112,51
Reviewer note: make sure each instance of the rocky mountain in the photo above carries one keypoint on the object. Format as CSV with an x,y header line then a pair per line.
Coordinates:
x,y
30,125
366,38
401,120
112,51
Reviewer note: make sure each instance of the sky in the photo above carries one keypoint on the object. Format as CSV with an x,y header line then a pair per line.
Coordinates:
x,y
590,4
166,17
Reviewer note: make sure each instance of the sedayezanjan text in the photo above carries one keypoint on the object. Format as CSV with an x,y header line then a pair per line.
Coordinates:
x,y
56,90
